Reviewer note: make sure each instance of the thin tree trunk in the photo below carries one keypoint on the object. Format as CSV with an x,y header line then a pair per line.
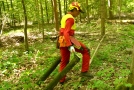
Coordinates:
x,y
3,6
56,15
103,16
12,15
0,15
7,5
47,11
42,20
0,9
19,17
65,6
52,11
60,11
110,5
1,30
25,26
88,20
120,11
37,13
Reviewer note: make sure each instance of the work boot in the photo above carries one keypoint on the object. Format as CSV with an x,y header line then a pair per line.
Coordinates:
x,y
86,74
67,79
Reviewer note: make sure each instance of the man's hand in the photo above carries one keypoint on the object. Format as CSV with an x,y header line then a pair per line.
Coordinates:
x,y
71,49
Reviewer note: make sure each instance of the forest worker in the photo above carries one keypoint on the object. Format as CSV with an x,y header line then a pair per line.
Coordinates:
x,y
68,43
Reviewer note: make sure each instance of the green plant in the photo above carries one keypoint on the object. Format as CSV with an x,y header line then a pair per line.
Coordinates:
x,y
100,85
5,85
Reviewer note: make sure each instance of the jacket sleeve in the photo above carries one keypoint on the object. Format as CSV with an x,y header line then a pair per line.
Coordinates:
x,y
69,24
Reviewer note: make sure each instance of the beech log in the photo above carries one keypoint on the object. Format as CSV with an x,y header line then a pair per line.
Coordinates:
x,y
69,66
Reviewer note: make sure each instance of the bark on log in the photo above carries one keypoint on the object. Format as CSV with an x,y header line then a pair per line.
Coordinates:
x,y
73,62
121,21
49,71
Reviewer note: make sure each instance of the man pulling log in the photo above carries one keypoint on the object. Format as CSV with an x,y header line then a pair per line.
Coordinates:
x,y
68,44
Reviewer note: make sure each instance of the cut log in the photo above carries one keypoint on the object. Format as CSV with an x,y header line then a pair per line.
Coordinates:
x,y
121,21
73,62
49,71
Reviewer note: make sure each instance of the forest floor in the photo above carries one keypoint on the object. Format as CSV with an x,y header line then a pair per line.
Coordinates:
x,y
20,70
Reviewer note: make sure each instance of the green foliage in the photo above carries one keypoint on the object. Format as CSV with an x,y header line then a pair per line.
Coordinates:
x,y
15,11
20,70
130,6
5,85
100,85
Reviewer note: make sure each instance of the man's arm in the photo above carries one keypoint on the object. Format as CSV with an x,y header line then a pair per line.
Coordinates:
x,y
69,24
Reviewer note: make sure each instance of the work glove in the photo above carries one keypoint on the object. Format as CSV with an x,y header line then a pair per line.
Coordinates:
x,y
71,49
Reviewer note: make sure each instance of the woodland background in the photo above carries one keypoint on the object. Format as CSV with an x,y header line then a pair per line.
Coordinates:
x,y
29,29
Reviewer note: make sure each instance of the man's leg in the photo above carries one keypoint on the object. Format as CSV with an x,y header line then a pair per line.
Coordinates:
x,y
85,57
65,56
85,61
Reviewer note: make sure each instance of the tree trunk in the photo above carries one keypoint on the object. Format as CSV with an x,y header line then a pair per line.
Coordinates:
x,y
65,6
56,15
103,17
60,11
3,6
7,5
88,20
25,26
1,29
42,20
0,16
4,20
0,9
110,5
37,13
12,15
52,11
47,11
119,9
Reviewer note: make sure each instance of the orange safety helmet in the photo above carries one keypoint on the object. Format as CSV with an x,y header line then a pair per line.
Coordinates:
x,y
75,5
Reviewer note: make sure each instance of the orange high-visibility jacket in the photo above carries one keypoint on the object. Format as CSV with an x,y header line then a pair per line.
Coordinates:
x,y
67,31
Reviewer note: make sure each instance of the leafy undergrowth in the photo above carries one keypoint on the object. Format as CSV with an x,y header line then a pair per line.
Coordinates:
x,y
20,70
